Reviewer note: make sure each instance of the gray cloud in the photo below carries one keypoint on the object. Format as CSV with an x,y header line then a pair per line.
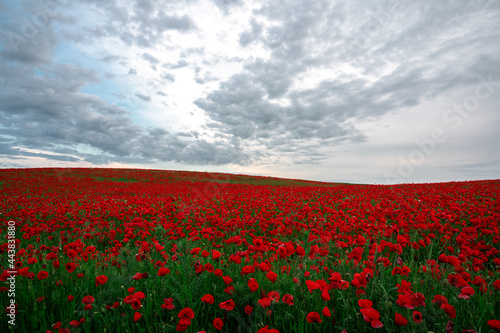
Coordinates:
x,y
26,43
152,60
48,112
180,64
42,106
312,36
145,98
202,77
144,26
226,5
14,153
327,67
248,37
170,78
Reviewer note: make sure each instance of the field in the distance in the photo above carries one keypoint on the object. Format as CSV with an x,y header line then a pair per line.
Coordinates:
x,y
107,250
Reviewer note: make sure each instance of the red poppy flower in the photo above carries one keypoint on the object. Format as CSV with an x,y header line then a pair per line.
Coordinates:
x,y
272,276
370,314
137,316
494,324
496,284
288,299
400,320
264,267
163,271
74,323
248,309
365,303
209,299
42,275
227,280
274,296
440,300
185,316
449,309
100,280
253,285
70,267
71,298
247,270
265,302
227,305
88,300
466,292
300,251
216,254
139,295
209,267
23,271
405,301
417,317
418,299
326,312
218,323
325,296
229,290
311,285
168,304
313,317
265,329
135,304
181,327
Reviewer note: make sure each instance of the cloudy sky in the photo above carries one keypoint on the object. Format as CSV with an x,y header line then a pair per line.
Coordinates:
x,y
355,91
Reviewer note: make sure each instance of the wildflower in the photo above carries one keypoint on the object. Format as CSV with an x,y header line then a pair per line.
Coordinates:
x,y
400,320
218,323
313,317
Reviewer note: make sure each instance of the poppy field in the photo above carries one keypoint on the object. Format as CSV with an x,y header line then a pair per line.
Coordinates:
x,y
110,250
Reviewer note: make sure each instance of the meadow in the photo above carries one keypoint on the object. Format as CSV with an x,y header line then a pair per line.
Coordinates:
x,y
109,250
